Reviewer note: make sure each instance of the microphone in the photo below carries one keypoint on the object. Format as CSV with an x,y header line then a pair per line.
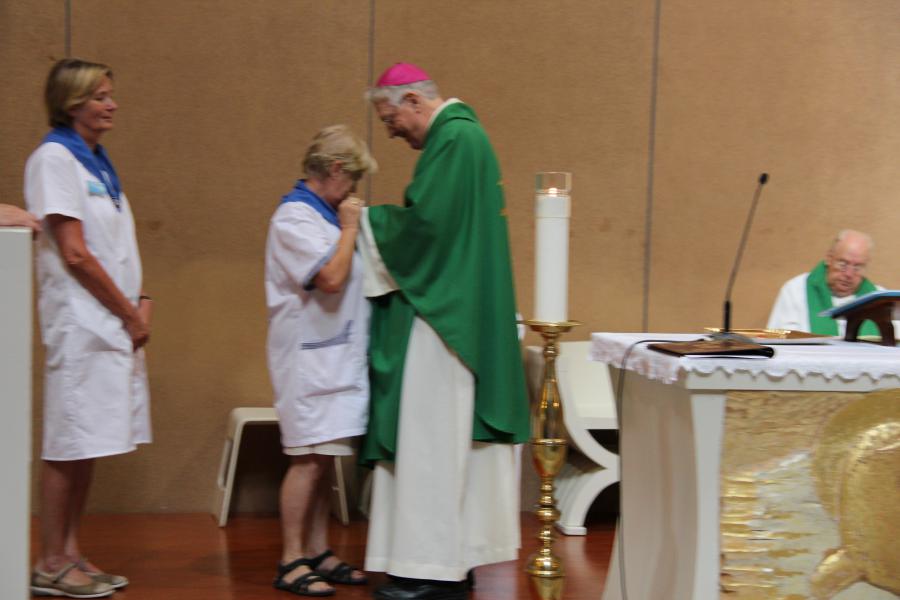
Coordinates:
x,y
726,325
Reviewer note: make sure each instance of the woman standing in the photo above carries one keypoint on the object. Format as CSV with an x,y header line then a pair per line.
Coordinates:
x,y
318,336
94,319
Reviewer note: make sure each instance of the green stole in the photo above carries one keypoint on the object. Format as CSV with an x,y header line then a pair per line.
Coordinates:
x,y
447,248
818,298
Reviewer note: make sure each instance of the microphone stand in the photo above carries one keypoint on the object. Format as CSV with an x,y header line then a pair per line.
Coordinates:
x,y
726,333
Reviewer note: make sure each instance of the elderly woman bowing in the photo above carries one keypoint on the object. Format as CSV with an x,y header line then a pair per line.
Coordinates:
x,y
318,336
94,319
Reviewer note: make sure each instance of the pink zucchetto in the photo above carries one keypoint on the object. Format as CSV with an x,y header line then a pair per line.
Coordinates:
x,y
402,74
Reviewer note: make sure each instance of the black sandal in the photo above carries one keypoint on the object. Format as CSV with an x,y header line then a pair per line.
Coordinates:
x,y
342,573
300,586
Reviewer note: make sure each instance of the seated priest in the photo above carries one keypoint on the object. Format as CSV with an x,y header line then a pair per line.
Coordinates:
x,y
837,280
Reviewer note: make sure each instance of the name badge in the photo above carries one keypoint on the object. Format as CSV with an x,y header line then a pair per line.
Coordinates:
x,y
95,188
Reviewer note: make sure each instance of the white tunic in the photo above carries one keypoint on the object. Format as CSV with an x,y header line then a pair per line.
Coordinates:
x,y
317,341
96,399
791,309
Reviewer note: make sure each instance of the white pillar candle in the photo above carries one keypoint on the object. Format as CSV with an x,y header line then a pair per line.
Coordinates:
x,y
551,253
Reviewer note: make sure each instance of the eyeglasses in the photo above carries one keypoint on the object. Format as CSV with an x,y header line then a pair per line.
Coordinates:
x,y
843,266
389,119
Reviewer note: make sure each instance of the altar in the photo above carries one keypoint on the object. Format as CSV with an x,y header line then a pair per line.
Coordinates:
x,y
754,477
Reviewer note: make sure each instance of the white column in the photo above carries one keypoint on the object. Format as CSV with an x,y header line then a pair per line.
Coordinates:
x,y
15,404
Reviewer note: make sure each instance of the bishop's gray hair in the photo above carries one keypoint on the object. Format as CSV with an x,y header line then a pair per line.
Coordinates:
x,y
393,94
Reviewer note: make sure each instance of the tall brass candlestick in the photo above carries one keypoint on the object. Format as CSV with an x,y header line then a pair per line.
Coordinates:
x,y
548,450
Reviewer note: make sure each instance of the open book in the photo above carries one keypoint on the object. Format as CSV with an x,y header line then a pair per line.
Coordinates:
x,y
878,296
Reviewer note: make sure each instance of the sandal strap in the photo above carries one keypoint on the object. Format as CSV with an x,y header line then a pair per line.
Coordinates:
x,y
57,577
302,583
341,571
315,561
83,565
300,562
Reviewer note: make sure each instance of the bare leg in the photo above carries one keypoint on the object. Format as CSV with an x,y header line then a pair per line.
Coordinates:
x,y
298,493
64,486
317,539
77,501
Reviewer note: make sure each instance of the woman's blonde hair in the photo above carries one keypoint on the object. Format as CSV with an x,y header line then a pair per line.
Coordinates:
x,y
337,143
70,84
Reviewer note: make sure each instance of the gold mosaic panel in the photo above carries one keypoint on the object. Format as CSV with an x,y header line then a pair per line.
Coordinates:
x,y
811,496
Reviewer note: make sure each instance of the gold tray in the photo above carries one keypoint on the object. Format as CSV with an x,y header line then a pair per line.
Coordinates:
x,y
772,335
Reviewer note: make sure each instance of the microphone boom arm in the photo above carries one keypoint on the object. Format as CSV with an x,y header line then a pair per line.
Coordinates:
x,y
763,178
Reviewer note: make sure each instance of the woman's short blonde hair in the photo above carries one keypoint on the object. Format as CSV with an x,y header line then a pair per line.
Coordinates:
x,y
70,84
337,143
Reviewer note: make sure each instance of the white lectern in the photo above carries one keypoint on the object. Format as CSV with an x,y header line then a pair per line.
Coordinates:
x,y
15,404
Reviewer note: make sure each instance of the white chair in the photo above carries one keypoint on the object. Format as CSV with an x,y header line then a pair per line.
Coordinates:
x,y
237,420
588,401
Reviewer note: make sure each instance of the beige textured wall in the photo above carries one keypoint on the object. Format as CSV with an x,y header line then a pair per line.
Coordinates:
x,y
807,91
218,100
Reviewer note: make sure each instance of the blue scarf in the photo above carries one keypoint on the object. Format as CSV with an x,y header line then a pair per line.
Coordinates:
x,y
97,162
301,193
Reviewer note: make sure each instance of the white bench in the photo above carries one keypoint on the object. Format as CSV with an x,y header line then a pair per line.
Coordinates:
x,y
237,420
588,401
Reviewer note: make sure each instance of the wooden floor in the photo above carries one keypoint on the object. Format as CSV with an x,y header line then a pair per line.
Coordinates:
x,y
187,557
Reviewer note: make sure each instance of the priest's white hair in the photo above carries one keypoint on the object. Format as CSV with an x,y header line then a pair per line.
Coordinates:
x,y
843,234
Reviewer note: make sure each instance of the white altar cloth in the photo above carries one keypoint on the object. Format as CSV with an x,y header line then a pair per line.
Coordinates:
x,y
847,361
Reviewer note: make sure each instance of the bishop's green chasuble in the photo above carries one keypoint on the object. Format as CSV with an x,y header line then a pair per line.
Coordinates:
x,y
447,248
